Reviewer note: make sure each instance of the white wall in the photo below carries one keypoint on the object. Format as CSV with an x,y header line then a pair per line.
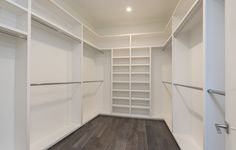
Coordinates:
x,y
92,92
214,105
161,94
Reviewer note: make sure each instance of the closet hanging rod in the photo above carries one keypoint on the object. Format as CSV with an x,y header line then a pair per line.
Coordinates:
x,y
93,81
63,83
188,86
218,92
166,82
55,83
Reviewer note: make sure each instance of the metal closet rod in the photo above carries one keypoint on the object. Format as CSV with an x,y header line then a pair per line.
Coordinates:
x,y
166,82
63,83
188,86
218,92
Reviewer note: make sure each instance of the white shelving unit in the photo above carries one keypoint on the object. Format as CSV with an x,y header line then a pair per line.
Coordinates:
x,y
188,69
14,18
14,48
131,81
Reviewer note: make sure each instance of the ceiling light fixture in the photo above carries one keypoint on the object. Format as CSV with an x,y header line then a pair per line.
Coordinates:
x,y
129,9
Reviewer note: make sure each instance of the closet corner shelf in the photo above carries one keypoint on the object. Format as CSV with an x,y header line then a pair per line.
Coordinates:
x,y
13,31
13,6
167,42
188,16
53,26
92,45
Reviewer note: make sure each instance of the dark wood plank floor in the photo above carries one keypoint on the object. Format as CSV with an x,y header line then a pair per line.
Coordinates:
x,y
116,133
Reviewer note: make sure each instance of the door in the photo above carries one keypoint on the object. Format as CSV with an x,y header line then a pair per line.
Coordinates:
x,y
230,104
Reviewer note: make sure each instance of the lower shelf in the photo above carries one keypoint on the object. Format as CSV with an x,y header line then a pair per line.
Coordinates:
x,y
52,139
186,142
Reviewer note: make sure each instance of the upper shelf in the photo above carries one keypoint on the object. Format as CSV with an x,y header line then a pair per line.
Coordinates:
x,y
13,31
191,12
13,6
54,26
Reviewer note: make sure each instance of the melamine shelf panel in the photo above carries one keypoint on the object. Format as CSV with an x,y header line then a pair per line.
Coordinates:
x,y
140,73
120,81
120,90
140,99
140,65
120,65
13,6
52,139
140,107
53,26
65,11
121,106
140,82
92,45
187,17
120,73
138,57
121,57
121,98
13,31
141,91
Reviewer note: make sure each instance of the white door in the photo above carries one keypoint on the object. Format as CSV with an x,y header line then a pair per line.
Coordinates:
x,y
230,104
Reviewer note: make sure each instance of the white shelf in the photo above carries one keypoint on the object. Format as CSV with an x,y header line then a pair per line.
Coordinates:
x,y
120,90
121,57
140,73
140,82
120,81
120,65
140,65
92,45
187,16
13,6
140,91
120,106
65,11
121,98
139,99
120,73
140,107
137,57
54,26
50,140
13,31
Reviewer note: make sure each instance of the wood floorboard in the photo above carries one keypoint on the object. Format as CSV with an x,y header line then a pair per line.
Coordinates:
x,y
117,133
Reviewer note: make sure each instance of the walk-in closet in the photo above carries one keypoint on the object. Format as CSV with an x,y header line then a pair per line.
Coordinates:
x,y
117,75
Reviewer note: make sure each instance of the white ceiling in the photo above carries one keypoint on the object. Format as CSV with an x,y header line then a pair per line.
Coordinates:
x,y
111,14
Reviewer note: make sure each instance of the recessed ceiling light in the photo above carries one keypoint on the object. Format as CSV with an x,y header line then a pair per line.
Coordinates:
x,y
129,9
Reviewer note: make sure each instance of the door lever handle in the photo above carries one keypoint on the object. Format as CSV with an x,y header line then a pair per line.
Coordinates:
x,y
222,126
